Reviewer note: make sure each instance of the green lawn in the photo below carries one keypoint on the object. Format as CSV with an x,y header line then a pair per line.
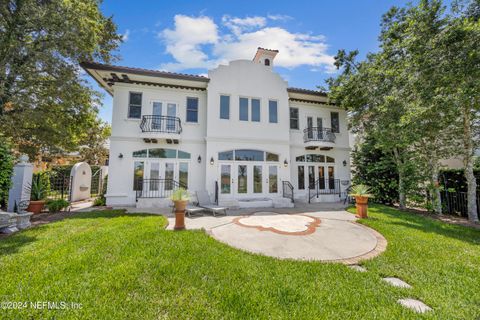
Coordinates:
x,y
122,266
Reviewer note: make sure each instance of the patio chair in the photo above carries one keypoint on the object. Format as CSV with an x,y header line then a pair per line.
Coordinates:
x,y
190,209
205,202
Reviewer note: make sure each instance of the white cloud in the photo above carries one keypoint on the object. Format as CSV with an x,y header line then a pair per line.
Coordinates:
x,y
279,17
239,25
196,42
185,41
126,35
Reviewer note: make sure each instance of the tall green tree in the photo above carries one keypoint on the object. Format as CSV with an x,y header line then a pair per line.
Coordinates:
x,y
6,169
95,149
45,105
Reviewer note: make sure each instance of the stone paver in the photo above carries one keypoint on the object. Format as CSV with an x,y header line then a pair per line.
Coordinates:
x,y
397,282
415,305
358,268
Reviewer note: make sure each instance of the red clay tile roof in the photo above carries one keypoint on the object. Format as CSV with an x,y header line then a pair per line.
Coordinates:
x,y
143,72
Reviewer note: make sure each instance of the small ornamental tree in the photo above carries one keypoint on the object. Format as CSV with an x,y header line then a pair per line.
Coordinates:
x,y
372,167
6,170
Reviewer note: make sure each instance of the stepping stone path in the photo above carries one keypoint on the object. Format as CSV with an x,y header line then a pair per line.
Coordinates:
x,y
358,268
415,305
397,282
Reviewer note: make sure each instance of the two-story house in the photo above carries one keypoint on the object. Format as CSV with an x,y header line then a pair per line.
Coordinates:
x,y
241,134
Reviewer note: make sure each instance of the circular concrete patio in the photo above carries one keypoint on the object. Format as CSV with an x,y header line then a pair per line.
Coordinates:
x,y
315,236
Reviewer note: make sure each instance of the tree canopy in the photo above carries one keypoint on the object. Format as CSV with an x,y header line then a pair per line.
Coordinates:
x,y
419,96
45,104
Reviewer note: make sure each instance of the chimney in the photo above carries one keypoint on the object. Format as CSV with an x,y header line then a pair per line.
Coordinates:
x,y
265,56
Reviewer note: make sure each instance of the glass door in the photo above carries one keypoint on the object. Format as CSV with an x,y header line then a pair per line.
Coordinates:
x,y
171,113
321,177
319,128
242,179
331,177
272,179
257,179
226,180
310,126
156,113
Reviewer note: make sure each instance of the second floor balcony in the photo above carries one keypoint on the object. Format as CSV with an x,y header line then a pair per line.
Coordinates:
x,y
314,137
161,127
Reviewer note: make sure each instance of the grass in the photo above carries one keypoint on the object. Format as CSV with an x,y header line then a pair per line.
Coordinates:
x,y
127,266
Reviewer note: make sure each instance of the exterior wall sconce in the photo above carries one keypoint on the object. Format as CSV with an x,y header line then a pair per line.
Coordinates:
x,y
199,159
344,163
212,161
285,163
120,155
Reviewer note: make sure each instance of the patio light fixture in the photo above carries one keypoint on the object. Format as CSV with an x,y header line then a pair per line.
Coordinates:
x,y
285,163
344,163
199,159
212,161
120,155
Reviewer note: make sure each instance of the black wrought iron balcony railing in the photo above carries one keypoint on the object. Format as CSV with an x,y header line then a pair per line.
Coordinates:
x,y
165,124
318,134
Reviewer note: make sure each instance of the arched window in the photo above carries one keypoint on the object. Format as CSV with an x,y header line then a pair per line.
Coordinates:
x,y
248,155
161,153
315,158
267,62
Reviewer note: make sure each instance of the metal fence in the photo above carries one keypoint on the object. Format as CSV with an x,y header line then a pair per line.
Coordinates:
x,y
96,184
57,184
456,203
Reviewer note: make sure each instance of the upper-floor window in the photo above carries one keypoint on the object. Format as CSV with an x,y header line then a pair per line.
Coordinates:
x,y
294,118
267,62
272,111
256,110
192,109
135,105
243,106
335,122
224,107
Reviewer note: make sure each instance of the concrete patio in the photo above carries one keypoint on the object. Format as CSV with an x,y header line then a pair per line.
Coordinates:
x,y
306,232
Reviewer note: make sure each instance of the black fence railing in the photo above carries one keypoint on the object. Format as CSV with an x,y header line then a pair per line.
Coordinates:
x,y
216,192
57,185
318,134
156,188
165,124
287,190
456,203
323,186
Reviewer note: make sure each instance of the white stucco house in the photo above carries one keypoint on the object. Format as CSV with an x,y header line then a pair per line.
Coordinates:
x,y
241,134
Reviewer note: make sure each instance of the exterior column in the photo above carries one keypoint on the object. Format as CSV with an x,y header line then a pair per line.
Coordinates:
x,y
21,182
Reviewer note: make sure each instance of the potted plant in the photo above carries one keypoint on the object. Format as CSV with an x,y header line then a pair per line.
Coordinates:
x,y
180,199
361,193
38,193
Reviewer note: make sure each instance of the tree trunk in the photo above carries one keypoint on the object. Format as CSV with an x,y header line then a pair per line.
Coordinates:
x,y
468,162
402,198
436,198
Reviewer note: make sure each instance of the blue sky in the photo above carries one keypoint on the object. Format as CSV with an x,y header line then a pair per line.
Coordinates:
x,y
192,36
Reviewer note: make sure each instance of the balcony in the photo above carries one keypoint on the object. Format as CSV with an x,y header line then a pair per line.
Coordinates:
x,y
318,137
161,127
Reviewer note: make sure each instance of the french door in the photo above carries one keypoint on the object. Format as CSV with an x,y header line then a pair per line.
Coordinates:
x,y
324,174
248,179
318,132
164,110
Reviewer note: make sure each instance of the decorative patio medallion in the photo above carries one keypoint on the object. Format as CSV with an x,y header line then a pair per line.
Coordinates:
x,y
286,224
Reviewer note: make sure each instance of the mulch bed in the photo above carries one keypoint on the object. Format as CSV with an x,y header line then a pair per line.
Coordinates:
x,y
461,221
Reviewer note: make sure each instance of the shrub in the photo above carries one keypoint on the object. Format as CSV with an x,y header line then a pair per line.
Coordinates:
x,y
57,205
6,170
372,167
101,200
41,180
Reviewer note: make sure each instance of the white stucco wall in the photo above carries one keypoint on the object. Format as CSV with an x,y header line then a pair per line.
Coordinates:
x,y
211,135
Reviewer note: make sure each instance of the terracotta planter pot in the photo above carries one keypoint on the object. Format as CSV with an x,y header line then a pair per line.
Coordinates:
x,y
180,214
361,204
36,206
